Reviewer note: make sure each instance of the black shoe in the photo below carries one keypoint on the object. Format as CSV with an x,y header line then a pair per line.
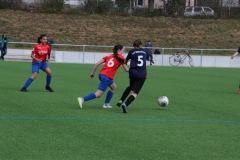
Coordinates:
x,y
24,90
119,103
152,62
124,108
49,88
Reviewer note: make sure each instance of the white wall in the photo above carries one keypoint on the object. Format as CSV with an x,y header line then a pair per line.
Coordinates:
x,y
160,60
93,57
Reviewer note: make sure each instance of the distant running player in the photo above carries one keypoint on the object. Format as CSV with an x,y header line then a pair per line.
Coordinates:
x,y
137,74
235,54
39,61
106,76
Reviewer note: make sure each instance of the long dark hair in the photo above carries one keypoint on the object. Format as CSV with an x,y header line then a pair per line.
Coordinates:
x,y
39,38
3,35
115,49
137,43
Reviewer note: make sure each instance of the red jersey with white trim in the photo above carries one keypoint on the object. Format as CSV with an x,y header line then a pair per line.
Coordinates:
x,y
111,65
40,51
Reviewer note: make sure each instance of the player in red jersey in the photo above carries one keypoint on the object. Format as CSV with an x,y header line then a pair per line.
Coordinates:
x,y
106,76
39,58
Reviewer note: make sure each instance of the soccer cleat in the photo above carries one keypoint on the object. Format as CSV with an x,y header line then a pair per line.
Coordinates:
x,y
49,88
80,102
107,106
119,103
124,108
24,89
239,91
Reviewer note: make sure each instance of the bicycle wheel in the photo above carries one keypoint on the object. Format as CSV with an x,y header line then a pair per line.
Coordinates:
x,y
190,60
174,61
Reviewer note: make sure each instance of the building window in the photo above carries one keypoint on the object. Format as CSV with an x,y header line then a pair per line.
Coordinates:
x,y
140,2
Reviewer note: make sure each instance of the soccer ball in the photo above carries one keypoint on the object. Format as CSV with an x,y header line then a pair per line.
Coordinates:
x,y
163,101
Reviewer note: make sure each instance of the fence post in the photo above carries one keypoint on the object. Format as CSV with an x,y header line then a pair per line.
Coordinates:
x,y
162,55
201,57
83,52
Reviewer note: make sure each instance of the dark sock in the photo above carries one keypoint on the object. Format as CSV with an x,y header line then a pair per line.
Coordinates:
x,y
129,100
89,97
48,80
109,96
28,82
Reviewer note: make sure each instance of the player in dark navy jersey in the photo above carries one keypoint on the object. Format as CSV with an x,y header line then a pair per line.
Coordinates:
x,y
39,61
137,74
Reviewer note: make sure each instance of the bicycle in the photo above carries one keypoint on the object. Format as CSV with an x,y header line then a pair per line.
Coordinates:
x,y
176,59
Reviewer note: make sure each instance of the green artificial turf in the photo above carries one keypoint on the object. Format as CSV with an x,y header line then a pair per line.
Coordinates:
x,y
201,122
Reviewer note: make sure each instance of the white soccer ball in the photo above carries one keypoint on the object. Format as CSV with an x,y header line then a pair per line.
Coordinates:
x,y
163,101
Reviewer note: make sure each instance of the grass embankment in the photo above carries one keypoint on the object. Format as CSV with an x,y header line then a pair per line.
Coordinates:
x,y
109,30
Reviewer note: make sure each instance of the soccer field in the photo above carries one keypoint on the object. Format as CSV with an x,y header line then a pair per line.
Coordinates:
x,y
201,122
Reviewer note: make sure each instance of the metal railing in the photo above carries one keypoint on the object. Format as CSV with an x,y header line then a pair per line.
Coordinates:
x,y
98,48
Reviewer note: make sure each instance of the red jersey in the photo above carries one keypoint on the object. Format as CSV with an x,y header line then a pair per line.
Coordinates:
x,y
40,51
111,65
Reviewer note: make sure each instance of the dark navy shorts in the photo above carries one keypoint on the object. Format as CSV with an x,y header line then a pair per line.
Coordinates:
x,y
136,84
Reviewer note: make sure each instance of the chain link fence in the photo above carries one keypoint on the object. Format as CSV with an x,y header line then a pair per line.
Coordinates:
x,y
220,8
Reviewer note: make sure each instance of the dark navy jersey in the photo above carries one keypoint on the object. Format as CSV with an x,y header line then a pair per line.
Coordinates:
x,y
238,50
138,59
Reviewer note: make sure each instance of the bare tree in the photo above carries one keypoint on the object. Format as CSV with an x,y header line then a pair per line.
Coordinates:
x,y
230,3
17,2
150,5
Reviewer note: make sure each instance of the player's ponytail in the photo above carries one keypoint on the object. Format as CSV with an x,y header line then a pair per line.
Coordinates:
x,y
115,49
39,38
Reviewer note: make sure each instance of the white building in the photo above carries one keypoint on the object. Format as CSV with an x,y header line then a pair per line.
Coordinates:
x,y
143,3
68,2
231,3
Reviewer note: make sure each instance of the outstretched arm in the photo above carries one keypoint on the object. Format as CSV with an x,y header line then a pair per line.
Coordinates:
x,y
125,67
235,54
95,67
